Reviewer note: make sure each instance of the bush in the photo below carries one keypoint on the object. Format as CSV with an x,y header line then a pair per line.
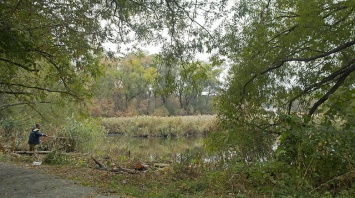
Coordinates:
x,y
322,152
10,127
14,133
57,158
314,158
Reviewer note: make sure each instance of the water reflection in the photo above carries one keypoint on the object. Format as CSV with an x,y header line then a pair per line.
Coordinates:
x,y
151,149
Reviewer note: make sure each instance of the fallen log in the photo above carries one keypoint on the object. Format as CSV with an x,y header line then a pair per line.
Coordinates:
x,y
126,170
115,169
98,163
161,165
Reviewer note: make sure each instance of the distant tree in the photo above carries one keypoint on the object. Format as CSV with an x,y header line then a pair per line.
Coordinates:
x,y
165,83
204,103
135,77
193,79
140,83
186,81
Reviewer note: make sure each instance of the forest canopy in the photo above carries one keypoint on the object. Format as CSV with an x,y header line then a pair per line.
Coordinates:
x,y
54,48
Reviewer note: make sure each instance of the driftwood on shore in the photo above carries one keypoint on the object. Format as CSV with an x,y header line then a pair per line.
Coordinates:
x,y
126,170
114,168
97,162
161,165
138,167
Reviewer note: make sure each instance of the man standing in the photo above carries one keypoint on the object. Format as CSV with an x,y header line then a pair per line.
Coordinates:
x,y
34,138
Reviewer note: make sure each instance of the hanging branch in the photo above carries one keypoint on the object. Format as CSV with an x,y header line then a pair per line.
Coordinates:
x,y
280,63
339,82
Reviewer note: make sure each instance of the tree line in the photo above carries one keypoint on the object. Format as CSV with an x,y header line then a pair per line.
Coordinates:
x,y
140,84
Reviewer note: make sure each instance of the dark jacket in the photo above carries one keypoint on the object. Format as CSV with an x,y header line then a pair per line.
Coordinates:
x,y
34,136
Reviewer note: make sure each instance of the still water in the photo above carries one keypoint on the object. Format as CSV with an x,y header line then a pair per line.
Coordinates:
x,y
152,149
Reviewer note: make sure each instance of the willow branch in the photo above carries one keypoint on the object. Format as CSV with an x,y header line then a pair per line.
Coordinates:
x,y
192,19
304,59
16,7
339,82
335,50
19,65
319,84
278,64
33,87
4,106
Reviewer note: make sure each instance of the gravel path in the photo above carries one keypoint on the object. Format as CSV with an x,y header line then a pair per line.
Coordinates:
x,y
21,182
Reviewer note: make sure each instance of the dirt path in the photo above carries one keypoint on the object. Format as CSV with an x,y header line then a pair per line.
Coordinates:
x,y
21,182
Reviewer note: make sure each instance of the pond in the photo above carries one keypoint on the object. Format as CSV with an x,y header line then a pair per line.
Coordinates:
x,y
151,149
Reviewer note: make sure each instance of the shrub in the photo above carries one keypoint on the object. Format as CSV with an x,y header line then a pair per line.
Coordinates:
x,y
14,132
322,152
57,158
10,127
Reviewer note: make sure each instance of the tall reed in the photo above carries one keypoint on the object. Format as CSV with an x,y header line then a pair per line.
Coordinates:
x,y
153,126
